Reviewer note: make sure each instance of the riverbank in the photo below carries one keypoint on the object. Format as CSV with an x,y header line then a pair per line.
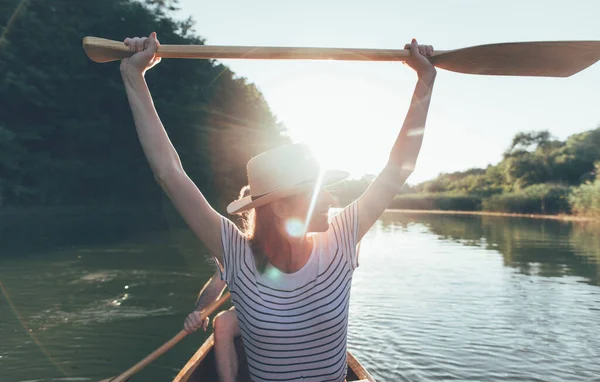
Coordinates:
x,y
160,208
563,217
70,225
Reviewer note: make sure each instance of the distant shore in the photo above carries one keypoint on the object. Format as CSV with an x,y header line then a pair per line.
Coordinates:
x,y
159,207
500,214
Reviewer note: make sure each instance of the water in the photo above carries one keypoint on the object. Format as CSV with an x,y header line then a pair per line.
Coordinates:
x,y
436,297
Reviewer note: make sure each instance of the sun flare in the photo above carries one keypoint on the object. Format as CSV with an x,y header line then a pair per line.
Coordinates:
x,y
349,125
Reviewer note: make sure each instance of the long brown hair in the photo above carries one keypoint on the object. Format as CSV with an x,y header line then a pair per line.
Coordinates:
x,y
259,226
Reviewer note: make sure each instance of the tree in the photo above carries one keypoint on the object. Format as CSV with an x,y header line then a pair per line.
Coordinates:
x,y
66,131
523,142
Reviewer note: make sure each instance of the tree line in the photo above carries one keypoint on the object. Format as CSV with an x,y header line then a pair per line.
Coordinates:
x,y
66,132
538,174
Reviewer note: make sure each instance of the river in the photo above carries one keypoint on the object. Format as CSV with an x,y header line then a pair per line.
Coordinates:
x,y
435,298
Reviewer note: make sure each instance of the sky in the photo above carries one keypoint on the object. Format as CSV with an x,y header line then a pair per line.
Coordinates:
x,y
351,112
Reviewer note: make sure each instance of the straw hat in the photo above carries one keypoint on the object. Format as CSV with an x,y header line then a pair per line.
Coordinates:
x,y
282,172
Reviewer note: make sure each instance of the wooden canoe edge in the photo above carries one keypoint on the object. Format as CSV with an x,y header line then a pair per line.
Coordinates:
x,y
186,372
358,369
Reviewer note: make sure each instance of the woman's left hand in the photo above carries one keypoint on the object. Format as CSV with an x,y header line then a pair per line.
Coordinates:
x,y
418,59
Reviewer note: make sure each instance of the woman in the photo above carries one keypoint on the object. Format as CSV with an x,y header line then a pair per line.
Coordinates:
x,y
225,324
290,270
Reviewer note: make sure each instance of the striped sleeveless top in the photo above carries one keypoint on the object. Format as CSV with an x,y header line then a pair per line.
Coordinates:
x,y
294,325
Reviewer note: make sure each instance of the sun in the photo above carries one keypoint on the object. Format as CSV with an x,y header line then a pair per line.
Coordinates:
x,y
348,121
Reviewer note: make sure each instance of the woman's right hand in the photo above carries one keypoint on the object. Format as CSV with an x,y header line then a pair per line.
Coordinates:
x,y
193,323
144,57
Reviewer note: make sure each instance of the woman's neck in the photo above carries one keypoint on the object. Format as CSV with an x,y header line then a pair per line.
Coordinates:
x,y
295,258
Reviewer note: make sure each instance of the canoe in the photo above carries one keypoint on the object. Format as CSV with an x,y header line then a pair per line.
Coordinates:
x,y
201,367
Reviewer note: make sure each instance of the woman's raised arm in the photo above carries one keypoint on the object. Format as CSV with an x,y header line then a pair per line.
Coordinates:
x,y
407,146
160,153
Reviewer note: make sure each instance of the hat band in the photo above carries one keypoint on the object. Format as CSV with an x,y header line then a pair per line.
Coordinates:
x,y
254,197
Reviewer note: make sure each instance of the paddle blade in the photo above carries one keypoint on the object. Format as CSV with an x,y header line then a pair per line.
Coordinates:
x,y
539,59
102,50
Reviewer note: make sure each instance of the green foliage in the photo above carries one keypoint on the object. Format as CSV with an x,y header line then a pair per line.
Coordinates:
x,y
523,142
66,131
574,162
536,175
445,202
585,199
480,182
550,161
536,199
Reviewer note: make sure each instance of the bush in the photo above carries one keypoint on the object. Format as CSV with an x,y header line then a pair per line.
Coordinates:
x,y
585,200
536,199
447,202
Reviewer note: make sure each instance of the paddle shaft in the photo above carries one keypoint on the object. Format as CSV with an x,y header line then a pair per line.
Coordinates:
x,y
542,58
103,50
167,345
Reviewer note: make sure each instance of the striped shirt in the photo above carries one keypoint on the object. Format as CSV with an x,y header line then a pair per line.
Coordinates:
x,y
294,325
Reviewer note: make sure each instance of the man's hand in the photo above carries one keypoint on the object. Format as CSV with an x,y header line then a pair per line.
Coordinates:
x,y
418,59
193,322
144,49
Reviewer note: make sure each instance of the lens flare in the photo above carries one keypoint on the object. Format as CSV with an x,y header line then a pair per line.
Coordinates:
x,y
295,227
416,132
29,331
13,17
313,200
408,167
273,273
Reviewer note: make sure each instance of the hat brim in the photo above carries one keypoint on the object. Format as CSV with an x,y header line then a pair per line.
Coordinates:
x,y
244,204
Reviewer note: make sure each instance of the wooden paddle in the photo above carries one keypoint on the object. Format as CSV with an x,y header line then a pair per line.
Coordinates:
x,y
167,345
545,59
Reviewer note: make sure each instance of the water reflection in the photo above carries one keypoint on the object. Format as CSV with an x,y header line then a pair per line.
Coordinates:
x,y
549,248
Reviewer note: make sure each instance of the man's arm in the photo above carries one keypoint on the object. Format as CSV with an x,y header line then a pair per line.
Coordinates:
x,y
211,292
406,149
